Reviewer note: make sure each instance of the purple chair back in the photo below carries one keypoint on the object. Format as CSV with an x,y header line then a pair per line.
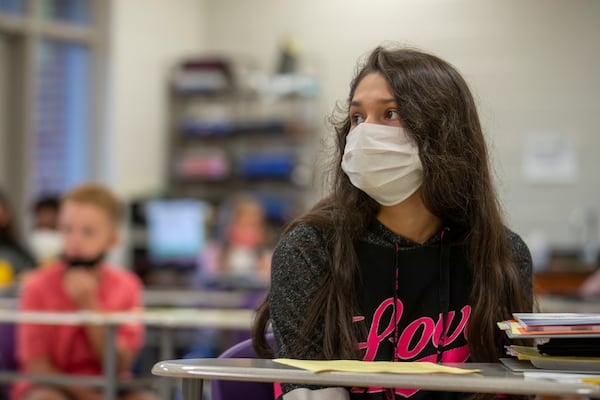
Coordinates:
x,y
233,390
8,360
7,347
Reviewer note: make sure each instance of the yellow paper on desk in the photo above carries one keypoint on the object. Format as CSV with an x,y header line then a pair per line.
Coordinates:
x,y
594,381
373,366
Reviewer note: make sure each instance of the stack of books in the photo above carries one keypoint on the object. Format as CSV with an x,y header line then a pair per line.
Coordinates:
x,y
546,325
567,343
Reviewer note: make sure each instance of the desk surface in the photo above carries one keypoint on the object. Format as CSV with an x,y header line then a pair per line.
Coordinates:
x,y
494,378
170,297
162,317
195,298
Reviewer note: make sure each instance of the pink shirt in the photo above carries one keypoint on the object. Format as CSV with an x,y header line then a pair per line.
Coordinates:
x,y
67,346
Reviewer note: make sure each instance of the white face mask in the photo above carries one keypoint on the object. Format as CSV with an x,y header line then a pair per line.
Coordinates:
x,y
383,161
45,244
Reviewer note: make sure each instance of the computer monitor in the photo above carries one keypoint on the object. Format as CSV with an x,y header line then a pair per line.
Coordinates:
x,y
176,231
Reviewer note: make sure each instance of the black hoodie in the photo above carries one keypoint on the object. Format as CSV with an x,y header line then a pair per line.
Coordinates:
x,y
430,283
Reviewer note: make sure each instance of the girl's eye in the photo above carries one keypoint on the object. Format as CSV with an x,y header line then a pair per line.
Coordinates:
x,y
392,114
357,119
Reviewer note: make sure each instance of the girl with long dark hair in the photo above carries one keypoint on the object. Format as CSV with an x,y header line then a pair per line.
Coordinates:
x,y
408,258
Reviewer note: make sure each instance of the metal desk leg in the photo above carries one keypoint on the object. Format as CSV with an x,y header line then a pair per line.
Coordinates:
x,y
192,389
166,343
166,353
110,362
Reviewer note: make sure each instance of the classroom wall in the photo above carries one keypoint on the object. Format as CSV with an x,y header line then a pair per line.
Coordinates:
x,y
147,38
532,66
3,111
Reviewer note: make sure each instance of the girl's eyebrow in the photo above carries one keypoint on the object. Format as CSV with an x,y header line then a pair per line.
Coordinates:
x,y
356,103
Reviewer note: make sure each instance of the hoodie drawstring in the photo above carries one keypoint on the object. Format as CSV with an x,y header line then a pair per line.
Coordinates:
x,y
389,393
443,299
444,291
396,288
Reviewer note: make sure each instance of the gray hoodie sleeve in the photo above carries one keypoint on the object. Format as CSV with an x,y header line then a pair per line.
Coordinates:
x,y
298,268
522,258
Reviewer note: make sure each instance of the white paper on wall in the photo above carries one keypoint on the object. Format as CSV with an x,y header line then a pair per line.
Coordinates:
x,y
549,158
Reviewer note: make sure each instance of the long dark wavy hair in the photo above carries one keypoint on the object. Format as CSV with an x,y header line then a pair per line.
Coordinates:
x,y
437,108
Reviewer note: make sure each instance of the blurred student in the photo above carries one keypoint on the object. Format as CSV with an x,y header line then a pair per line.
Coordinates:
x,y
14,258
239,258
80,280
45,212
44,240
241,253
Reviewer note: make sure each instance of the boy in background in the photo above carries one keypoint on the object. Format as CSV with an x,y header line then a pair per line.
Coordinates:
x,y
44,239
80,280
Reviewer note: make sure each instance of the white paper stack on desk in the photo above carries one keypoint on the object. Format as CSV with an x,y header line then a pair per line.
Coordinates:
x,y
568,345
552,325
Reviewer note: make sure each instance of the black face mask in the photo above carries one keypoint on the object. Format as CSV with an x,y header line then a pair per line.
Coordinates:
x,y
80,262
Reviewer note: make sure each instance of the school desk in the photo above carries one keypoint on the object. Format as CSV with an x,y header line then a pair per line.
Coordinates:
x,y
493,378
166,319
195,298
